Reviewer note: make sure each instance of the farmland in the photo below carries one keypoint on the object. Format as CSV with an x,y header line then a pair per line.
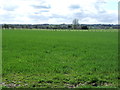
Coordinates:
x,y
53,59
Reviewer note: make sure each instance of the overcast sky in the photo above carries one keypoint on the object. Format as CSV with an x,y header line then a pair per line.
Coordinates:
x,y
58,11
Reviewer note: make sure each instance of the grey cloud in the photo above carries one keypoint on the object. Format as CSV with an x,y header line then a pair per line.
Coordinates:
x,y
10,8
103,17
80,15
57,16
42,17
44,10
36,18
98,6
41,11
61,18
106,17
7,18
74,7
41,6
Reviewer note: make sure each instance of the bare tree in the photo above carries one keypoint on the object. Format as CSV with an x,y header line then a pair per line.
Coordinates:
x,y
75,23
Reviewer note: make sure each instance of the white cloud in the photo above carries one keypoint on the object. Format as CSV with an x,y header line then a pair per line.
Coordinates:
x,y
58,11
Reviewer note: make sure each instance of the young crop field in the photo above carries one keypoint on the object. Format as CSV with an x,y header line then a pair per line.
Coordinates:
x,y
42,59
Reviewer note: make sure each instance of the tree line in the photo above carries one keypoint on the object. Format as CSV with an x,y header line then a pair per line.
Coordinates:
x,y
75,25
60,26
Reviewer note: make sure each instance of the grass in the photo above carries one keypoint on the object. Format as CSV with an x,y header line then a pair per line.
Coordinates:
x,y
42,59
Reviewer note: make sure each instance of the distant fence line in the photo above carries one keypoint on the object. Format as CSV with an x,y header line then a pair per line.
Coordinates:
x,y
69,30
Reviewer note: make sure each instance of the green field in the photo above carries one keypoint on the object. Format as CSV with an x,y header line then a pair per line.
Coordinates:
x,y
59,59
